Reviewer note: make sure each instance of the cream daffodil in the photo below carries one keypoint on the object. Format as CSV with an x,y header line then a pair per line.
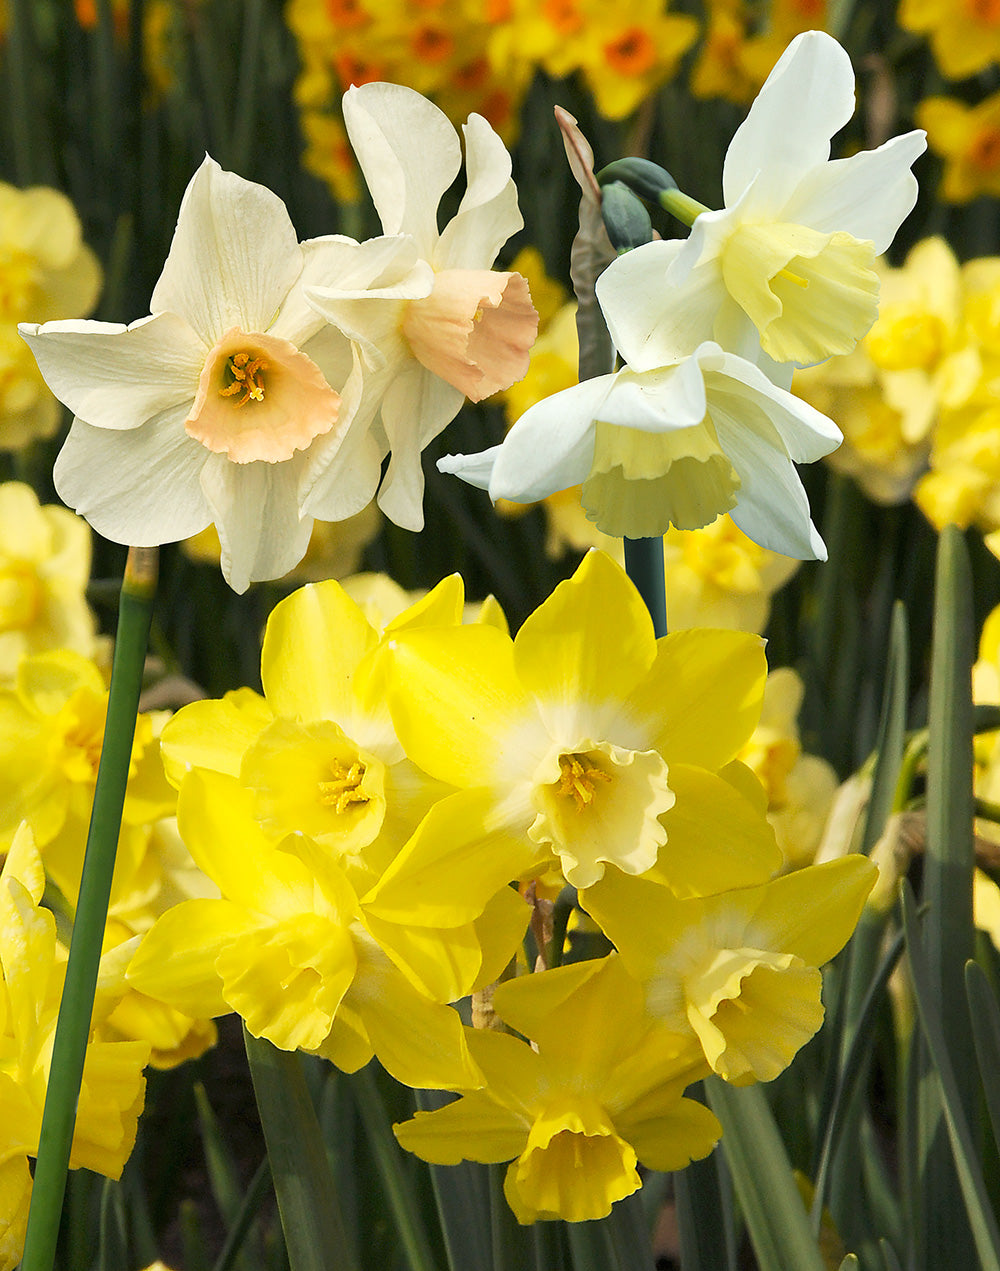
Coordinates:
x,y
595,743
230,397
597,1092
461,329
675,438
792,250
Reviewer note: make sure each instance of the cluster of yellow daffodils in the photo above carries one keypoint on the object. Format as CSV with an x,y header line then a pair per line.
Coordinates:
x,y
364,820
272,377
739,50
698,421
111,1097
46,272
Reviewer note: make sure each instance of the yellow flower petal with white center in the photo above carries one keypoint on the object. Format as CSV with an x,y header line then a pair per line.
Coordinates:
x,y
597,804
752,1011
260,398
475,330
809,294
640,481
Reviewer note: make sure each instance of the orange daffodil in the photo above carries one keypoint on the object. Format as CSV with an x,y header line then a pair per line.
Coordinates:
x,y
465,330
597,744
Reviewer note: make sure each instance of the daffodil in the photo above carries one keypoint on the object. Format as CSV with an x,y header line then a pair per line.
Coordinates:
x,y
672,439
968,139
598,1092
599,747
465,330
227,401
738,971
791,253
292,948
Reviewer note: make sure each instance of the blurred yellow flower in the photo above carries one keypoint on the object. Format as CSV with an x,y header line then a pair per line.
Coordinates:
x,y
46,272
800,788
964,34
44,571
968,139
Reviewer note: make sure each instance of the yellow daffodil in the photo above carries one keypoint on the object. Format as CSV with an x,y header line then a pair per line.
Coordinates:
x,y
467,330
968,139
44,571
111,1096
739,971
599,744
291,947
598,1092
965,38
47,273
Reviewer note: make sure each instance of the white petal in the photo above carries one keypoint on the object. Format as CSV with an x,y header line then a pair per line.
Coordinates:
x,y
808,97
416,407
234,255
488,214
772,507
652,323
255,509
347,484
551,447
868,195
474,470
119,377
659,400
806,433
139,487
409,154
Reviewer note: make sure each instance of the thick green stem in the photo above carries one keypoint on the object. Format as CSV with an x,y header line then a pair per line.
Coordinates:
x,y
73,1028
644,564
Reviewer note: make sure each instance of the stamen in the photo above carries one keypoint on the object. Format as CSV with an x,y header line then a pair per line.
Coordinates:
x,y
787,273
345,788
577,779
246,371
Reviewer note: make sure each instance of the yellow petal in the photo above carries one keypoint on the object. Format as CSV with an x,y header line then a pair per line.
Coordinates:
x,y
213,734
175,963
473,1128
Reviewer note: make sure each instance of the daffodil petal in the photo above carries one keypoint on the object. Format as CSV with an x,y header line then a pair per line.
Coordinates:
x,y
416,407
488,214
668,1133
116,480
176,961
234,255
213,734
119,377
811,912
473,1128
806,434
441,965
806,99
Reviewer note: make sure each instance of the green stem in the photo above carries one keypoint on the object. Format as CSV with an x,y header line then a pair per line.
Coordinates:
x,y
682,206
69,1049
303,1181
644,565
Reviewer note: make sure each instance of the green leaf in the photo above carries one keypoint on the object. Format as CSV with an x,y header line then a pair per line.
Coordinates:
x,y
986,1033
703,1193
245,1217
463,1203
112,1254
973,1189
303,1182
763,1180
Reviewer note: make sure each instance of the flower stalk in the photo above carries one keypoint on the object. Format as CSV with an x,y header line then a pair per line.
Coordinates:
x,y
135,611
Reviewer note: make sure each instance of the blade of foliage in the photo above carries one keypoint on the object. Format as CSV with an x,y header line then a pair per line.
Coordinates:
x,y
986,1033
388,1156
69,1049
644,565
850,1263
303,1181
763,1180
511,1243
463,1202
244,1218
892,1263
973,1190
704,1198
113,1251
947,891
222,1172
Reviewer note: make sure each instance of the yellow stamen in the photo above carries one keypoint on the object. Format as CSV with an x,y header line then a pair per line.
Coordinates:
x,y
787,273
577,779
247,372
345,788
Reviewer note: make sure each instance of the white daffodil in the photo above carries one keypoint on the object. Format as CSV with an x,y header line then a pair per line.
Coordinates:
x,y
469,334
677,437
230,396
793,250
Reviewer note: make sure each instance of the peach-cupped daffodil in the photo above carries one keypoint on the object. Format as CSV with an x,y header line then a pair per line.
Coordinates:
x,y
229,399
738,971
792,250
291,947
456,328
595,743
111,1096
598,1091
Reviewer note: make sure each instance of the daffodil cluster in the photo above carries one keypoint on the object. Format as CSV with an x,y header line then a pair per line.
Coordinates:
x,y
273,376
698,421
385,820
